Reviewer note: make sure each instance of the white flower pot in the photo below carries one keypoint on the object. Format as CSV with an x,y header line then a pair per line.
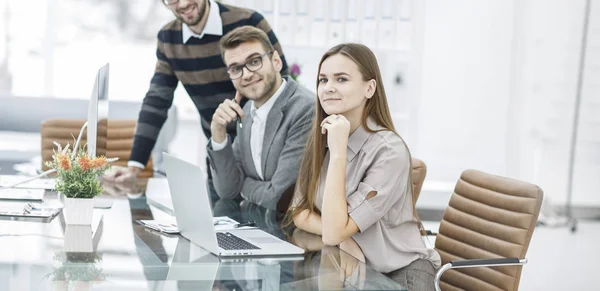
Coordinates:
x,y
78,238
78,211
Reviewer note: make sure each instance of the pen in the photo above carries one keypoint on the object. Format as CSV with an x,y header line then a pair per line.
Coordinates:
x,y
239,120
249,223
221,221
28,208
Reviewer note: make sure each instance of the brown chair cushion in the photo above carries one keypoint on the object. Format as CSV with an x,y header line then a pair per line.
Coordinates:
x,y
488,217
118,142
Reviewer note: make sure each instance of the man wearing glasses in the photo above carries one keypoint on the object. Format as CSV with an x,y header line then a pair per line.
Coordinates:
x,y
188,52
263,161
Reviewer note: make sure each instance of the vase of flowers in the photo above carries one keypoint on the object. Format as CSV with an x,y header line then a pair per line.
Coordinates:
x,y
77,179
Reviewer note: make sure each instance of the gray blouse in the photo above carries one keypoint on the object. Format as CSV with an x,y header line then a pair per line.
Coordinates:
x,y
388,234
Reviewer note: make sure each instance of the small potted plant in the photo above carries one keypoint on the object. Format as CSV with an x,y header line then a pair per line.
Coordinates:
x,y
77,179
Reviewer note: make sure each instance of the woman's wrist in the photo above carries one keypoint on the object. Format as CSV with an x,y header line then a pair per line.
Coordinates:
x,y
337,157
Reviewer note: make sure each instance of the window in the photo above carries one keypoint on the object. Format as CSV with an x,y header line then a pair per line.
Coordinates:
x,y
55,49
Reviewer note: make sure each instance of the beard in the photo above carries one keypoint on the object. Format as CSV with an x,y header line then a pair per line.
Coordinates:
x,y
257,92
200,9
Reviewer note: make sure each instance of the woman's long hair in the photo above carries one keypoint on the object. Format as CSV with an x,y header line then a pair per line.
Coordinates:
x,y
375,107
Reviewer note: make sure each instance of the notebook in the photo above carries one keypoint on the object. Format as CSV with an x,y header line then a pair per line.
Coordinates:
x,y
21,210
22,194
43,184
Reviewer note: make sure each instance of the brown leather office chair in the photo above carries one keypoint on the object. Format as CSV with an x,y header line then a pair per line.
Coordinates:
x,y
118,142
419,171
488,224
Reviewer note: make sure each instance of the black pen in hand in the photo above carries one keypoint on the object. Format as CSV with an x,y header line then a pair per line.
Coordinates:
x,y
237,100
249,223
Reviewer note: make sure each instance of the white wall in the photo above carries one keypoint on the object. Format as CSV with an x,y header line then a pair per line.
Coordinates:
x,y
465,87
549,54
498,89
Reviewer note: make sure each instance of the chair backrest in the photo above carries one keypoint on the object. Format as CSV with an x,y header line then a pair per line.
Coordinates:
x,y
488,217
419,171
118,142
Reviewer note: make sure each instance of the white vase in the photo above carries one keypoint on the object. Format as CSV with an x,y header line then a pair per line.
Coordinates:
x,y
78,238
78,211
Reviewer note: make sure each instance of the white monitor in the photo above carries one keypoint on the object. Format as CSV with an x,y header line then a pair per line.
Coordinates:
x,y
97,127
98,113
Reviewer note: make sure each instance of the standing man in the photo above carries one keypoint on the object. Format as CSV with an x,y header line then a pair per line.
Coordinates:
x,y
188,52
263,161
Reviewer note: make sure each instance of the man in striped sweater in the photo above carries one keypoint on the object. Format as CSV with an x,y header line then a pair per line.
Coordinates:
x,y
188,52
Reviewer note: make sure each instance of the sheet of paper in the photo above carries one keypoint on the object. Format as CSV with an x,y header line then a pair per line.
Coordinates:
x,y
22,194
44,183
221,223
17,209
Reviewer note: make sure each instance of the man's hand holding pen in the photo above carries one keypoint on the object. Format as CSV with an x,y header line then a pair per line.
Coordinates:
x,y
227,112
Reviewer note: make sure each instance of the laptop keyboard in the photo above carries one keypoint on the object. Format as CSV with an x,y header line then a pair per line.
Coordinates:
x,y
228,241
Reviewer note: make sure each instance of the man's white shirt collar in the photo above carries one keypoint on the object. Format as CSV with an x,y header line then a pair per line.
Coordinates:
x,y
263,111
214,24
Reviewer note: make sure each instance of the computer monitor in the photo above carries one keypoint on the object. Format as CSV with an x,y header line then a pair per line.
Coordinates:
x,y
97,118
97,128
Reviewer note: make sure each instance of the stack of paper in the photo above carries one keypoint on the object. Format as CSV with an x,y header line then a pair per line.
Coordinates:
x,y
22,194
18,209
221,223
43,183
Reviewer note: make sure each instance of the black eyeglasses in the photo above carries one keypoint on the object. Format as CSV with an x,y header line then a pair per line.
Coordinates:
x,y
253,65
170,2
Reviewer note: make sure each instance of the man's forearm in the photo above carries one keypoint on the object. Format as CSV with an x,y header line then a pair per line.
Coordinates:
x,y
219,136
263,193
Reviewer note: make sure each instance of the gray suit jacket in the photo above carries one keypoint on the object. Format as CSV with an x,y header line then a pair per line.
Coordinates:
x,y
288,124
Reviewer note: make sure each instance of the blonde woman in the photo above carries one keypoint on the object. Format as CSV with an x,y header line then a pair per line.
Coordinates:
x,y
354,180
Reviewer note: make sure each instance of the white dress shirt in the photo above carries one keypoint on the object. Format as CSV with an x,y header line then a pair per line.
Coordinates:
x,y
257,132
214,26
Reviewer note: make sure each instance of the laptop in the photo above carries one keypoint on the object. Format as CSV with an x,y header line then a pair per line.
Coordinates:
x,y
195,219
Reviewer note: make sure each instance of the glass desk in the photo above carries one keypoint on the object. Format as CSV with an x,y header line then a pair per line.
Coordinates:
x,y
34,255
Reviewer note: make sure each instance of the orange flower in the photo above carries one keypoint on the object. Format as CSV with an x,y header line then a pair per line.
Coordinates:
x,y
99,162
63,161
85,163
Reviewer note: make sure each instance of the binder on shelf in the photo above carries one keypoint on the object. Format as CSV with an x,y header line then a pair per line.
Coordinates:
x,y
335,32
318,29
286,25
352,26
369,25
302,23
387,25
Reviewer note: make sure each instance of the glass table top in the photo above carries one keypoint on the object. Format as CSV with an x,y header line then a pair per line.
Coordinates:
x,y
116,253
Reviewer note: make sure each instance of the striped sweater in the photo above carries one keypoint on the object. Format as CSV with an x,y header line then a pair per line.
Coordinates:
x,y
198,65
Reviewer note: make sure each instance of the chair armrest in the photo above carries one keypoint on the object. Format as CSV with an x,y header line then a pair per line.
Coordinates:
x,y
430,233
487,262
476,263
